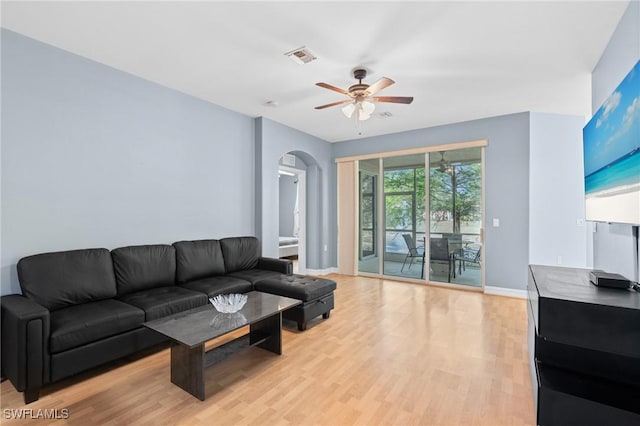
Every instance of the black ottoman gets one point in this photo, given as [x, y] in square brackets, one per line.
[316, 295]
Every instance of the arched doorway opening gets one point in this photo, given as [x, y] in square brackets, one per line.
[298, 184]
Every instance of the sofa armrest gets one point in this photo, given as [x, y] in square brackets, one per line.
[25, 337]
[278, 265]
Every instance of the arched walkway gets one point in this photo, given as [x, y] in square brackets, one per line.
[310, 223]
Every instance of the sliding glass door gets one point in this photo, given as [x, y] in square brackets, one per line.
[455, 216]
[404, 207]
[368, 257]
[420, 216]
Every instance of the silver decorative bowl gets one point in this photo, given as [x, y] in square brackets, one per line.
[228, 303]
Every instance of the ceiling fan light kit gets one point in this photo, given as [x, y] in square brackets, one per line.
[348, 110]
[362, 101]
[364, 109]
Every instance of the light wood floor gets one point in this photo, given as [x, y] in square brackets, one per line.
[391, 353]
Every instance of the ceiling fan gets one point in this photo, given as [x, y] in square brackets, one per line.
[361, 99]
[444, 167]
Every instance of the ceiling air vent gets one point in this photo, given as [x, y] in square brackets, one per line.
[301, 56]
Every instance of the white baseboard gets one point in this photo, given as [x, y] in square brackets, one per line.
[503, 291]
[325, 271]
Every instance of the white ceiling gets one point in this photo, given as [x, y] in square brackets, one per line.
[460, 61]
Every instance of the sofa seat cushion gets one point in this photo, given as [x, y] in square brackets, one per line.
[213, 286]
[160, 302]
[299, 287]
[81, 324]
[255, 275]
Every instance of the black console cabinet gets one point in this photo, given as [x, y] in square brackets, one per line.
[584, 349]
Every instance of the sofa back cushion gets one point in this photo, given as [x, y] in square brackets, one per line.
[143, 267]
[240, 253]
[198, 259]
[57, 280]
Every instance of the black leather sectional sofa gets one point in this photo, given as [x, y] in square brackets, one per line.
[82, 308]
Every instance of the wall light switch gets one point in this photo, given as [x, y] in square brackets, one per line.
[496, 222]
[325, 247]
[580, 222]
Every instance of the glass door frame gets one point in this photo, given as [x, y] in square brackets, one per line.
[380, 210]
[480, 235]
[410, 168]
[374, 219]
[379, 238]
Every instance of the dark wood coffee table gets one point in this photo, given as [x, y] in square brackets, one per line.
[190, 330]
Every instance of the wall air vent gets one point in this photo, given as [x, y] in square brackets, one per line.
[289, 160]
[301, 56]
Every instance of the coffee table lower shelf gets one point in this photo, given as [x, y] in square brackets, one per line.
[188, 364]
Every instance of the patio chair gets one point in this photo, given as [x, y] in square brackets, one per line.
[467, 255]
[455, 243]
[414, 252]
[440, 253]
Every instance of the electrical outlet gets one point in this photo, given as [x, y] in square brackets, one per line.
[496, 222]
[580, 222]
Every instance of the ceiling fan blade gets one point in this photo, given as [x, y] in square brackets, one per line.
[346, 101]
[394, 99]
[378, 86]
[334, 88]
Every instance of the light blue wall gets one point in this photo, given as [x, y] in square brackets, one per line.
[613, 245]
[94, 157]
[507, 184]
[272, 141]
[556, 191]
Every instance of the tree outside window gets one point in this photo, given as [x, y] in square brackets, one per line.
[455, 197]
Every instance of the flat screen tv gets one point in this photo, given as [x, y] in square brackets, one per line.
[612, 156]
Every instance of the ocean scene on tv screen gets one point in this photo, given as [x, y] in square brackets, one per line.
[612, 155]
